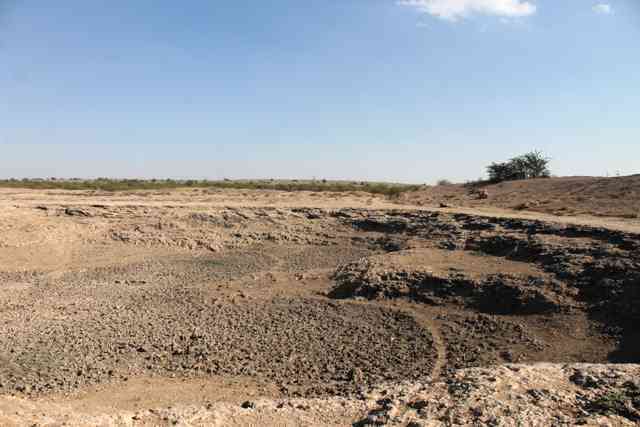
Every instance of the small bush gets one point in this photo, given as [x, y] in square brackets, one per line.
[444, 182]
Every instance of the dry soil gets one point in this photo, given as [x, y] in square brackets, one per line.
[232, 307]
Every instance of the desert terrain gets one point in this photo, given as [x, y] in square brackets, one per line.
[200, 306]
[615, 197]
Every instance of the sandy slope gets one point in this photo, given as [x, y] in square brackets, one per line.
[617, 197]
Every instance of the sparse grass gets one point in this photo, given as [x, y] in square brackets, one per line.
[103, 184]
[624, 403]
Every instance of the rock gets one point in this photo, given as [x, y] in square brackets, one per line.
[76, 212]
[483, 194]
[248, 405]
[385, 403]
[507, 356]
[418, 404]
[584, 380]
[377, 418]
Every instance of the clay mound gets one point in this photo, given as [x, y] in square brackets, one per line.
[488, 285]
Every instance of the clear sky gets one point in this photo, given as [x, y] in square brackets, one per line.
[409, 90]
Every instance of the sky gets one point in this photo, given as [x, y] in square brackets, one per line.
[394, 90]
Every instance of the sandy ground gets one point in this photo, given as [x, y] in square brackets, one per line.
[615, 197]
[428, 200]
[233, 307]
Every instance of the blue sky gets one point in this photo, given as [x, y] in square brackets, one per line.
[410, 90]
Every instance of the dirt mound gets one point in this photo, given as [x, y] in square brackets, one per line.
[382, 278]
[612, 197]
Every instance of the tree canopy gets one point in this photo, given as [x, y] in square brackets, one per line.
[527, 166]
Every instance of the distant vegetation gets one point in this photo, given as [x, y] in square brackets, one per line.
[527, 166]
[105, 184]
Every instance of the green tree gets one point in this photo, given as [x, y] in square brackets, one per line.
[527, 166]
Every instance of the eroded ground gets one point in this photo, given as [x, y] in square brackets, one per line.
[147, 309]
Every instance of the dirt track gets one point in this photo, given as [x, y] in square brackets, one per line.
[299, 295]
